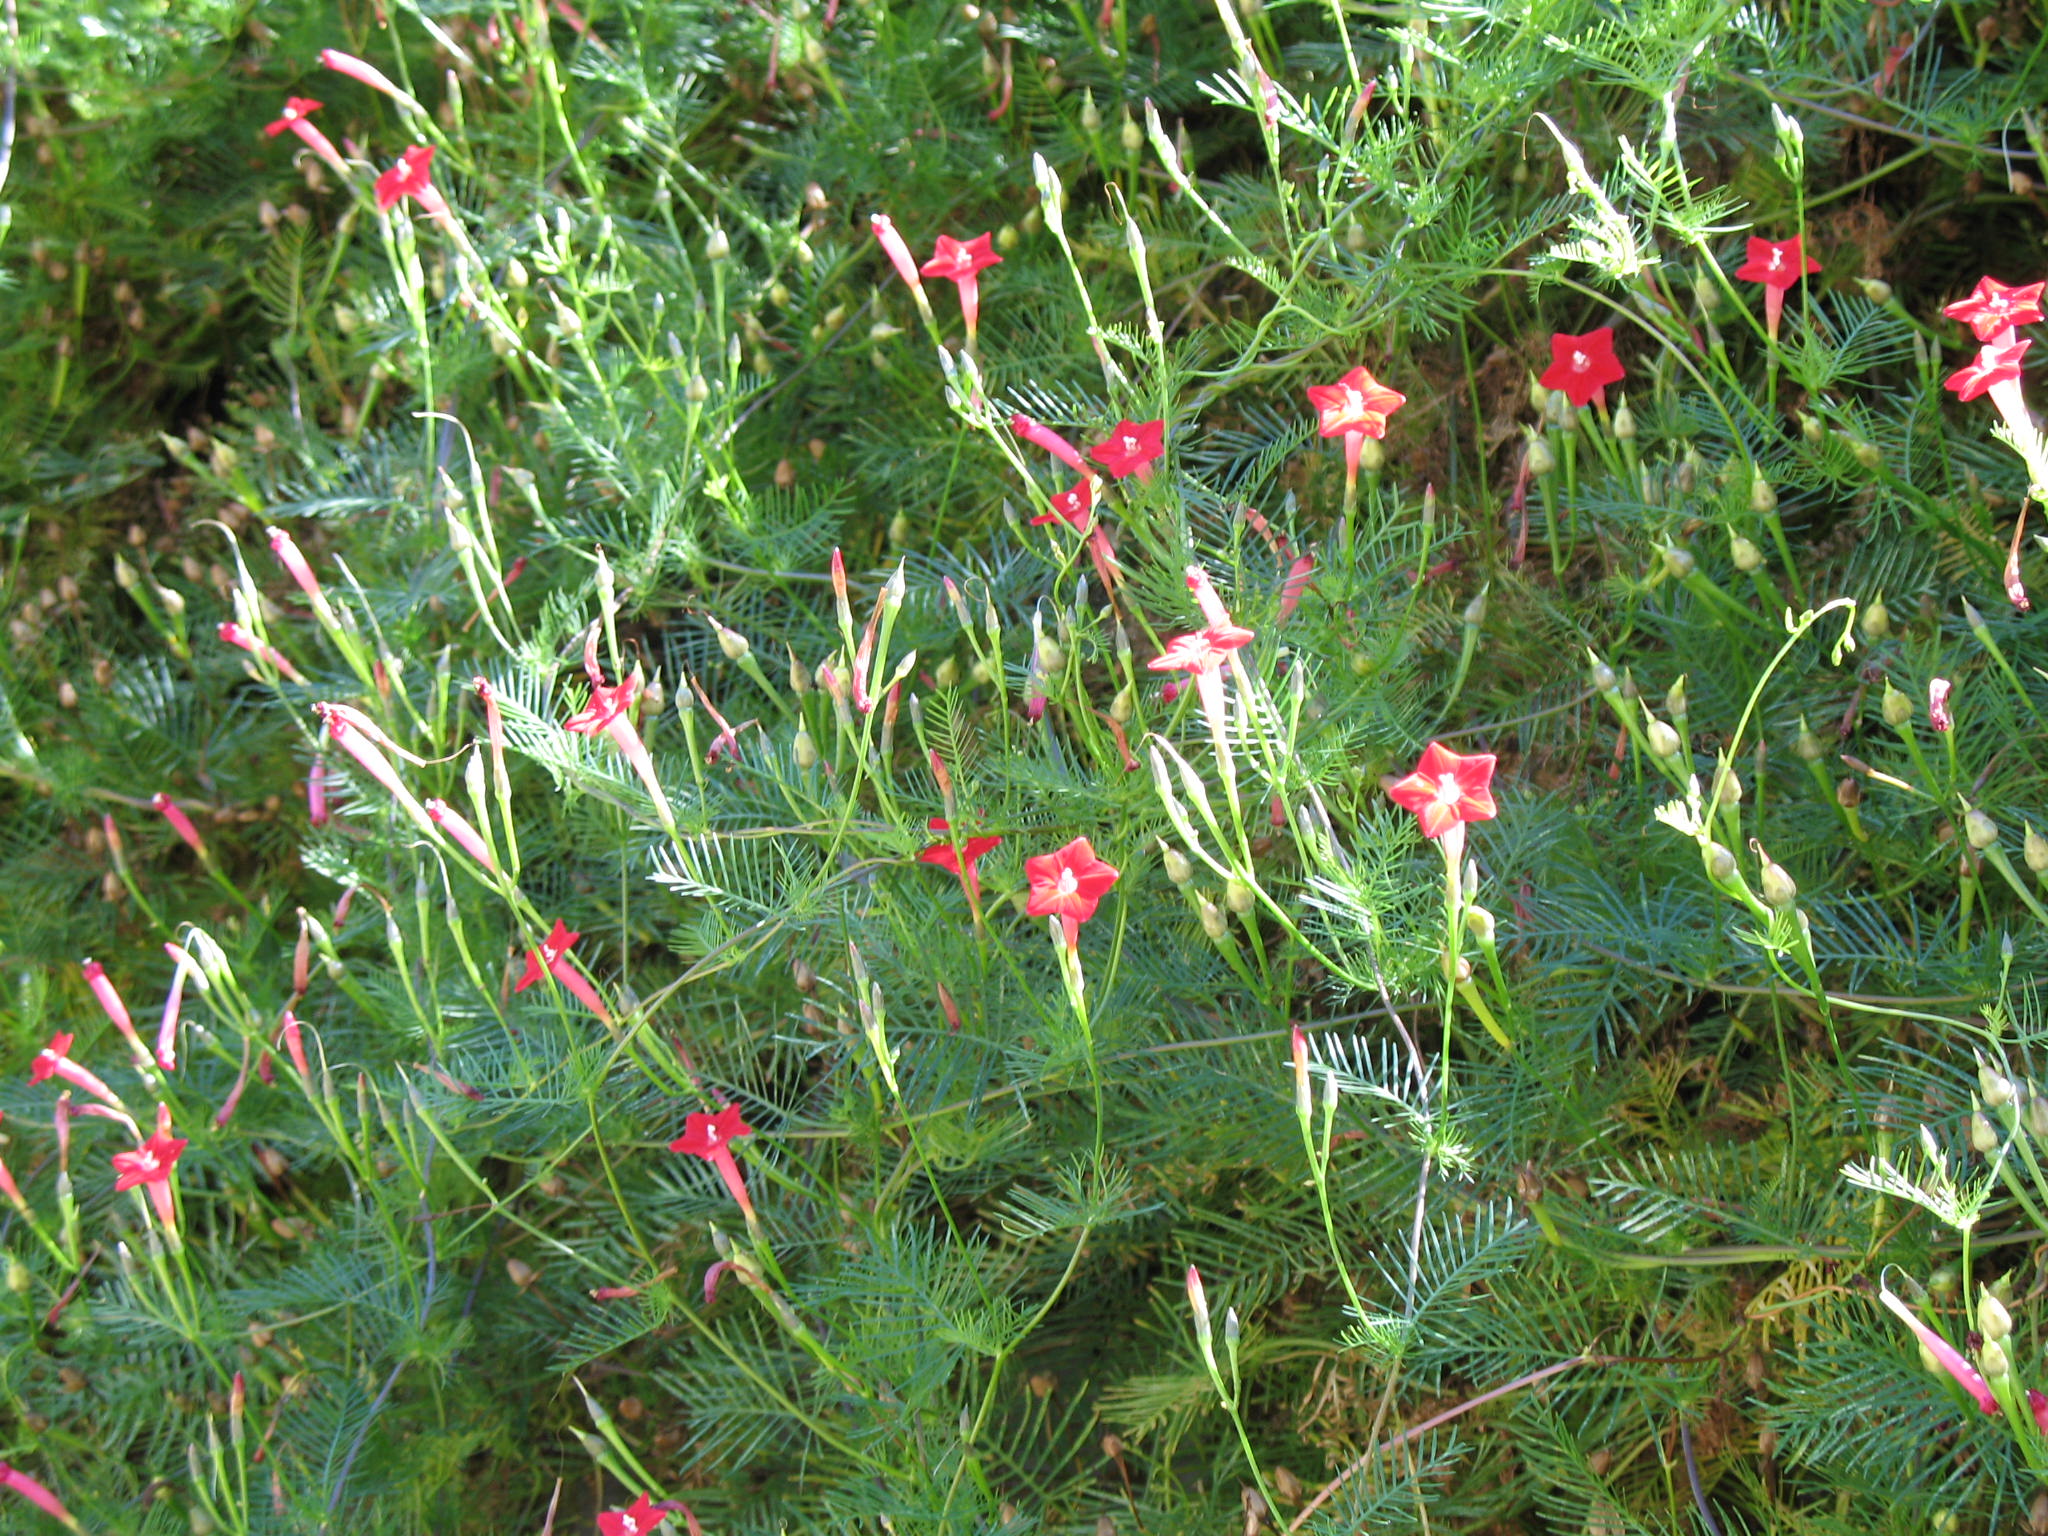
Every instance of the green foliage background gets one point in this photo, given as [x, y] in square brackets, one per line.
[398, 1255]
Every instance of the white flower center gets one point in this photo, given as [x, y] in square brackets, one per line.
[1130, 443]
[1449, 792]
[629, 1525]
[145, 1161]
[1068, 883]
[1581, 362]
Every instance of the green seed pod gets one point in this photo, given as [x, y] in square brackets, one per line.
[1720, 863]
[1664, 742]
[1179, 868]
[1779, 888]
[1239, 897]
[2035, 851]
[1897, 708]
[1980, 829]
[1744, 553]
[1763, 500]
[1542, 462]
[1809, 746]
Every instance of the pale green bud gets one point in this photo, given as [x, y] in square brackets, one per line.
[1480, 924]
[1603, 678]
[697, 391]
[1877, 619]
[1238, 897]
[1897, 708]
[1214, 924]
[1091, 115]
[1720, 863]
[1624, 424]
[805, 749]
[716, 246]
[1983, 1134]
[1980, 829]
[1678, 562]
[1744, 553]
[1542, 462]
[2035, 851]
[1779, 888]
[1763, 500]
[947, 673]
[1662, 738]
[1809, 747]
[1995, 1087]
[1875, 289]
[1124, 705]
[1179, 868]
[1372, 457]
[1130, 135]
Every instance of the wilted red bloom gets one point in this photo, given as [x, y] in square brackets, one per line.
[295, 110]
[1131, 448]
[1073, 505]
[1777, 264]
[1446, 789]
[54, 1060]
[408, 178]
[45, 1064]
[635, 1521]
[960, 860]
[1583, 366]
[710, 1137]
[1937, 704]
[1996, 362]
[542, 960]
[2037, 1404]
[607, 703]
[1069, 885]
[1358, 402]
[1992, 307]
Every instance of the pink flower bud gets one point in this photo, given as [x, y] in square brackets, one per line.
[452, 821]
[116, 1010]
[1937, 704]
[295, 1046]
[238, 636]
[316, 793]
[898, 252]
[1042, 436]
[1965, 1374]
[28, 1488]
[356, 69]
[180, 822]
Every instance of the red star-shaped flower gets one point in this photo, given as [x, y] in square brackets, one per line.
[957, 259]
[1202, 651]
[296, 108]
[960, 860]
[408, 178]
[1583, 366]
[1446, 789]
[1131, 448]
[1995, 363]
[540, 961]
[1992, 307]
[1358, 402]
[1073, 505]
[637, 1520]
[711, 1137]
[150, 1163]
[1776, 263]
[1069, 885]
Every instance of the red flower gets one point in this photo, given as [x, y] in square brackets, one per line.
[150, 1163]
[1446, 790]
[607, 703]
[1358, 403]
[1776, 263]
[960, 860]
[1992, 307]
[543, 959]
[640, 1518]
[1583, 366]
[295, 110]
[710, 1137]
[1068, 885]
[45, 1064]
[1202, 651]
[1996, 362]
[1132, 447]
[408, 178]
[1073, 505]
[960, 260]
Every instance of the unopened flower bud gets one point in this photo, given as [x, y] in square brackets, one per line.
[805, 749]
[2035, 851]
[1179, 868]
[697, 391]
[1091, 115]
[1603, 678]
[1624, 424]
[1372, 457]
[1050, 657]
[2036, 1115]
[1214, 924]
[1541, 460]
[1996, 1088]
[1239, 897]
[1875, 289]
[1809, 747]
[947, 673]
[1779, 888]
[1897, 708]
[1744, 553]
[1763, 500]
[1811, 428]
[1983, 1134]
[1662, 738]
[1130, 135]
[1980, 829]
[1480, 924]
[716, 246]
[1877, 619]
[1727, 786]
[732, 642]
[1124, 705]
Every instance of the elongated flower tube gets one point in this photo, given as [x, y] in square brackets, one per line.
[294, 562]
[19, 1482]
[711, 1137]
[295, 1045]
[181, 824]
[1041, 436]
[898, 251]
[316, 793]
[356, 734]
[1965, 1374]
[359, 69]
[553, 957]
[9, 1188]
[182, 964]
[116, 1010]
[466, 837]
